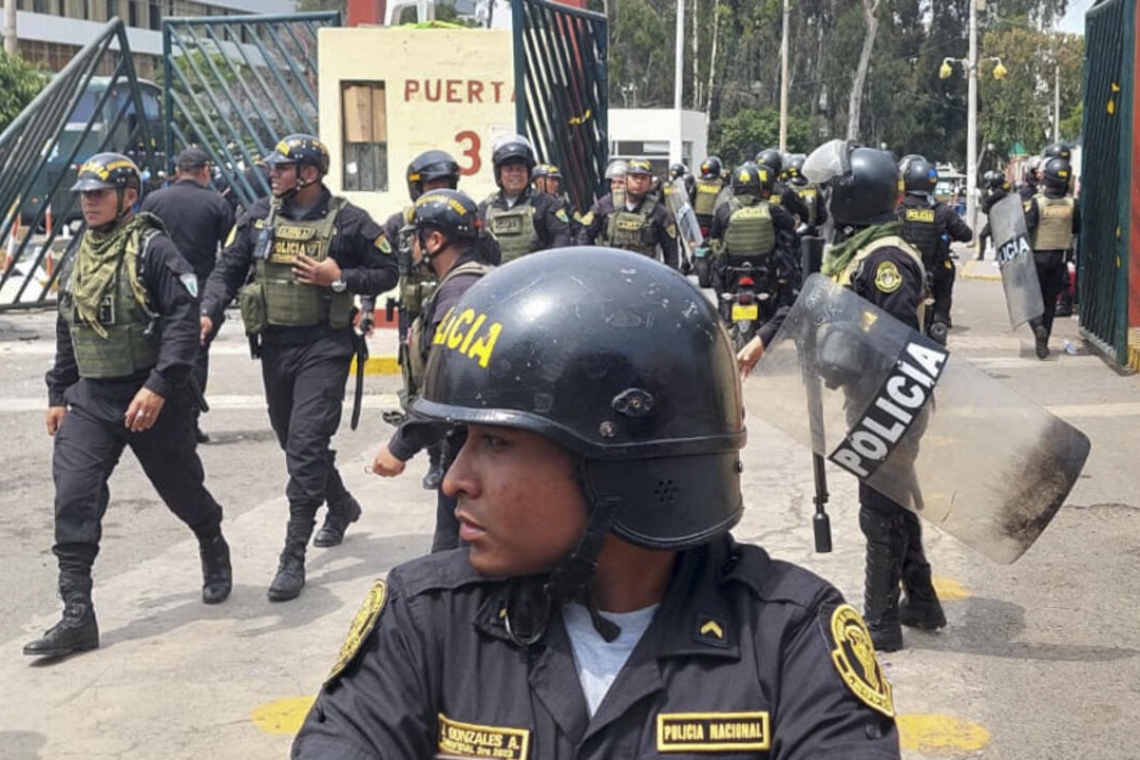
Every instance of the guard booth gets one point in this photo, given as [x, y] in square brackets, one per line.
[1109, 249]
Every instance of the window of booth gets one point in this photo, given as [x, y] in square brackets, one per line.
[364, 115]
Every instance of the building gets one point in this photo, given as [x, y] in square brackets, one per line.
[51, 32]
[648, 132]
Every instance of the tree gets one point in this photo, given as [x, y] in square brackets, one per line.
[741, 136]
[870, 8]
[20, 82]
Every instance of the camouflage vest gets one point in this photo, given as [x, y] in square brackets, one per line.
[289, 303]
[513, 228]
[890, 241]
[707, 191]
[750, 231]
[416, 283]
[1054, 230]
[419, 342]
[631, 230]
[131, 345]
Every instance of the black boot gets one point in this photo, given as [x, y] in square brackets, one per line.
[434, 476]
[1041, 336]
[290, 578]
[343, 510]
[881, 586]
[920, 608]
[217, 573]
[77, 630]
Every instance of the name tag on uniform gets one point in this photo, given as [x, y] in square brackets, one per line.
[627, 224]
[506, 225]
[1055, 211]
[920, 215]
[458, 739]
[713, 731]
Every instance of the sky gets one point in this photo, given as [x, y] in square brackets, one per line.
[1074, 19]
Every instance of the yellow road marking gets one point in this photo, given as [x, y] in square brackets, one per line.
[284, 716]
[941, 734]
[950, 590]
[377, 365]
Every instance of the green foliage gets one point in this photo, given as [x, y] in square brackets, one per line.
[20, 82]
[741, 136]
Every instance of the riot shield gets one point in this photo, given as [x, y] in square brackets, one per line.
[1015, 258]
[689, 230]
[930, 431]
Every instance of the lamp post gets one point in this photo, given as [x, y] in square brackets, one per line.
[676, 146]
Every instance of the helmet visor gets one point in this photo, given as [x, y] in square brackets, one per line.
[827, 162]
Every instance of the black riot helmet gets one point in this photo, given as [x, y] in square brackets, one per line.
[513, 148]
[750, 179]
[302, 150]
[711, 168]
[920, 177]
[596, 349]
[771, 158]
[794, 171]
[546, 171]
[109, 170]
[677, 171]
[1057, 173]
[431, 165]
[994, 180]
[1057, 150]
[864, 182]
[451, 212]
[907, 160]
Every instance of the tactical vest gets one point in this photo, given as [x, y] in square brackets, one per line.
[128, 349]
[289, 303]
[704, 204]
[419, 342]
[810, 196]
[513, 228]
[631, 230]
[890, 241]
[920, 229]
[416, 283]
[1054, 231]
[750, 231]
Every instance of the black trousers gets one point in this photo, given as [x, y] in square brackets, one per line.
[87, 448]
[1051, 274]
[304, 376]
[942, 289]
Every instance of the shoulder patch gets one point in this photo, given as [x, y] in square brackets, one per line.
[190, 282]
[588, 219]
[671, 230]
[562, 217]
[887, 277]
[230, 237]
[853, 655]
[361, 626]
[382, 244]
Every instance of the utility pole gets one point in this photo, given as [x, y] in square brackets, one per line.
[676, 147]
[11, 41]
[1056, 101]
[972, 121]
[784, 83]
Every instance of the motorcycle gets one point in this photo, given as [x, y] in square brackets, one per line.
[744, 297]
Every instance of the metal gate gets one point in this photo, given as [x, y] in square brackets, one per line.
[1107, 157]
[78, 114]
[561, 95]
[235, 85]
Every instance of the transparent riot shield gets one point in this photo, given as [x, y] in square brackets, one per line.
[1015, 258]
[689, 230]
[930, 431]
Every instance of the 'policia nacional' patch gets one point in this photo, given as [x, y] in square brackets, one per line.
[887, 277]
[470, 740]
[361, 626]
[713, 732]
[854, 658]
[907, 389]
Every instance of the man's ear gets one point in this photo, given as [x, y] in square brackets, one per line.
[130, 197]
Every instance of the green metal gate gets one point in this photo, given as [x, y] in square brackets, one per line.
[1106, 160]
[235, 85]
[561, 95]
[78, 114]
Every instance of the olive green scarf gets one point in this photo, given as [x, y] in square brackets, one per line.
[835, 261]
[97, 264]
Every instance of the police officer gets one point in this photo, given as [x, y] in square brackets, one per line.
[782, 194]
[929, 226]
[305, 254]
[750, 231]
[430, 170]
[641, 224]
[547, 178]
[1028, 187]
[615, 175]
[445, 232]
[126, 339]
[198, 220]
[995, 188]
[1053, 218]
[705, 192]
[602, 609]
[816, 205]
[522, 221]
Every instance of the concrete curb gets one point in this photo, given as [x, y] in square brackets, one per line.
[980, 270]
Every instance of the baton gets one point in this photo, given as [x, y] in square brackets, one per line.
[811, 249]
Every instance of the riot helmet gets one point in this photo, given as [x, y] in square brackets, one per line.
[863, 181]
[1031, 168]
[639, 166]
[109, 171]
[920, 177]
[546, 178]
[771, 158]
[1057, 173]
[616, 169]
[711, 168]
[450, 212]
[794, 171]
[907, 160]
[677, 171]
[513, 148]
[994, 180]
[432, 165]
[1057, 150]
[660, 469]
[303, 150]
[750, 179]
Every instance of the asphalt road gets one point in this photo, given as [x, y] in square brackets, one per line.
[1039, 659]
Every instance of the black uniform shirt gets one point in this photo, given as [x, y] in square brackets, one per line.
[553, 231]
[792, 201]
[170, 297]
[358, 246]
[197, 218]
[593, 221]
[898, 296]
[746, 653]
[1027, 190]
[659, 219]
